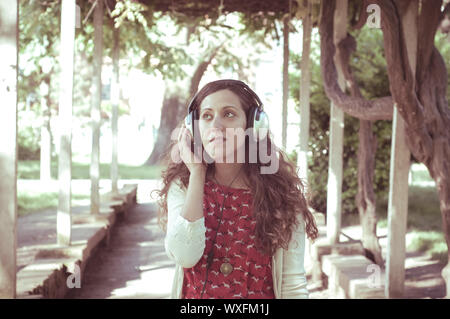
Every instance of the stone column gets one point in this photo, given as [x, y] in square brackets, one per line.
[115, 95]
[334, 188]
[305, 81]
[398, 176]
[95, 108]
[9, 14]
[64, 215]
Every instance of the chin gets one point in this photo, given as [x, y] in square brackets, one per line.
[218, 156]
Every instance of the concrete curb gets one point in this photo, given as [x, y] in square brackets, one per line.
[48, 275]
[343, 267]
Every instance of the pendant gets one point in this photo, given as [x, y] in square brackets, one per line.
[226, 268]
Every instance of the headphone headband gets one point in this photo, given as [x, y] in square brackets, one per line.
[234, 83]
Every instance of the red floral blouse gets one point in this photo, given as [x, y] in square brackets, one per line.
[252, 271]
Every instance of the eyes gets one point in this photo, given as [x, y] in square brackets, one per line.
[207, 116]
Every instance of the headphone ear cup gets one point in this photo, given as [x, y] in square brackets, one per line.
[188, 121]
[251, 122]
[196, 144]
[260, 124]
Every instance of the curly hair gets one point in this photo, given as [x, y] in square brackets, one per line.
[277, 198]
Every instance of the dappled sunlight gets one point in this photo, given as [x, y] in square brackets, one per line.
[153, 283]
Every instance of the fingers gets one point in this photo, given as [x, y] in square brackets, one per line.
[184, 135]
[180, 132]
[184, 141]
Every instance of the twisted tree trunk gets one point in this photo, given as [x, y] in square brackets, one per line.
[424, 107]
[366, 111]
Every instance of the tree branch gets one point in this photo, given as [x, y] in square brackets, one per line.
[201, 68]
[357, 106]
[362, 17]
[428, 23]
[400, 76]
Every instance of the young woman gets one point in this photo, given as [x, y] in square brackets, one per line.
[233, 231]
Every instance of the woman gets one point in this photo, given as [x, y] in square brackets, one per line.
[233, 231]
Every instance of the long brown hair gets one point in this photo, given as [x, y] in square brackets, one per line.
[277, 198]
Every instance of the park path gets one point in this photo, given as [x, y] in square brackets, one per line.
[134, 265]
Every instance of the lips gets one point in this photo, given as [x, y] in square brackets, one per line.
[217, 139]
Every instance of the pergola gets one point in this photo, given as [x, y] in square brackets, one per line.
[201, 8]
[8, 127]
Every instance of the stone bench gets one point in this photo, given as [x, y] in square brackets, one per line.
[47, 276]
[353, 277]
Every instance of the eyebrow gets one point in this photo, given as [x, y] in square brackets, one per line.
[226, 106]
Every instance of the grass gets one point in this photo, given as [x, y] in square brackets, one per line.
[423, 210]
[424, 221]
[29, 202]
[432, 242]
[31, 170]
[36, 200]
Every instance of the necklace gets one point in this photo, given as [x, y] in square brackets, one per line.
[226, 267]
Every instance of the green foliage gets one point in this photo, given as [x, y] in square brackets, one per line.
[29, 202]
[430, 242]
[29, 135]
[29, 169]
[28, 143]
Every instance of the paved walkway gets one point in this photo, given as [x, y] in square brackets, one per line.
[134, 266]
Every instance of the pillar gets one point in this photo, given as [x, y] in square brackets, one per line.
[334, 186]
[8, 147]
[398, 175]
[64, 215]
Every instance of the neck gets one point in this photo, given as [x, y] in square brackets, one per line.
[224, 173]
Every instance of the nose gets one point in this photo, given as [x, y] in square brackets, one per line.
[217, 123]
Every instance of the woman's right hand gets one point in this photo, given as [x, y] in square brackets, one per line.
[191, 160]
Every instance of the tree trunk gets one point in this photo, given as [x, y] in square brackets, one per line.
[365, 198]
[170, 116]
[424, 107]
[377, 109]
[366, 111]
[173, 109]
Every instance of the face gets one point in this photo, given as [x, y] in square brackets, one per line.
[222, 120]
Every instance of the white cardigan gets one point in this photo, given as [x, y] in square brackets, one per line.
[185, 245]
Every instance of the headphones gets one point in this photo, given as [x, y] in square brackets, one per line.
[257, 119]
